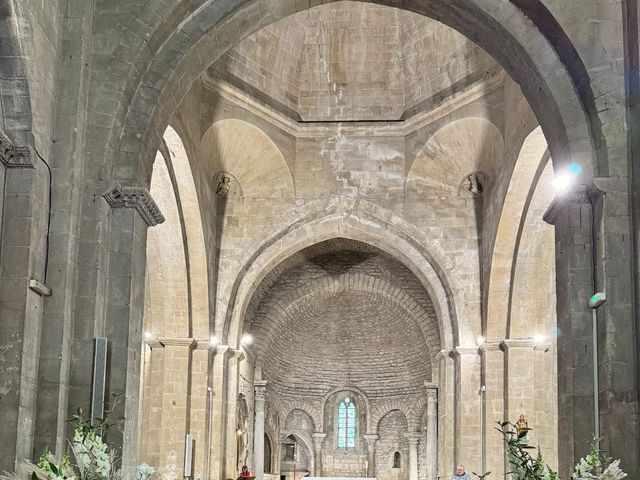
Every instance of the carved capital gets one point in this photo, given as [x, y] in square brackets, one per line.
[413, 438]
[318, 438]
[432, 395]
[574, 198]
[15, 156]
[371, 438]
[260, 389]
[138, 198]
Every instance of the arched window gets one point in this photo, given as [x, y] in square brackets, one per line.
[396, 460]
[347, 424]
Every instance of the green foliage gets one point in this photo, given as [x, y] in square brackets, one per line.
[92, 457]
[524, 466]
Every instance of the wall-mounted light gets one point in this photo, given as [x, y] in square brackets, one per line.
[148, 335]
[213, 341]
[479, 340]
[247, 339]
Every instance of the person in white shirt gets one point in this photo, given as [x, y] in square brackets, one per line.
[461, 474]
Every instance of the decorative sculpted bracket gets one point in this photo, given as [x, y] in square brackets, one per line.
[577, 197]
[13, 156]
[138, 198]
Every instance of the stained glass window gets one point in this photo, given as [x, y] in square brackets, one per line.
[346, 424]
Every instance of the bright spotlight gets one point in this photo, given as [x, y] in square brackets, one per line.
[214, 340]
[561, 183]
[574, 169]
[539, 339]
[247, 339]
[479, 340]
[147, 335]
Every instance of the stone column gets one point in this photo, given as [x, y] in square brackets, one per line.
[318, 438]
[174, 404]
[468, 424]
[413, 438]
[260, 390]
[618, 339]
[493, 407]
[231, 409]
[446, 412]
[371, 454]
[217, 412]
[432, 433]
[21, 291]
[200, 361]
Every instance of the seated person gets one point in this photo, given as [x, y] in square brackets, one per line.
[245, 473]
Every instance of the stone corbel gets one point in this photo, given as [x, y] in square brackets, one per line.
[177, 342]
[576, 197]
[138, 198]
[15, 156]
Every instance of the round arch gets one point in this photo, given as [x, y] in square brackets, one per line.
[520, 37]
[356, 390]
[383, 409]
[353, 226]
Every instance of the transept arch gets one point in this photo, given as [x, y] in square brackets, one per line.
[352, 226]
[559, 105]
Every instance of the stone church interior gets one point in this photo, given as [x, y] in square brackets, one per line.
[324, 239]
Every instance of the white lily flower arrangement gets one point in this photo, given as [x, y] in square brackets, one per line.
[90, 457]
[525, 466]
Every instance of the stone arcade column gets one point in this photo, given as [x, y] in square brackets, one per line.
[371, 453]
[432, 433]
[231, 399]
[133, 211]
[174, 391]
[530, 390]
[318, 439]
[21, 291]
[493, 407]
[260, 390]
[468, 424]
[413, 438]
[618, 362]
[446, 412]
[217, 412]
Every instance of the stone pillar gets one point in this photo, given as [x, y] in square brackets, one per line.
[493, 407]
[432, 433]
[200, 358]
[174, 404]
[318, 438]
[446, 412]
[468, 424]
[371, 454]
[260, 390]
[217, 412]
[22, 262]
[231, 409]
[571, 214]
[413, 438]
